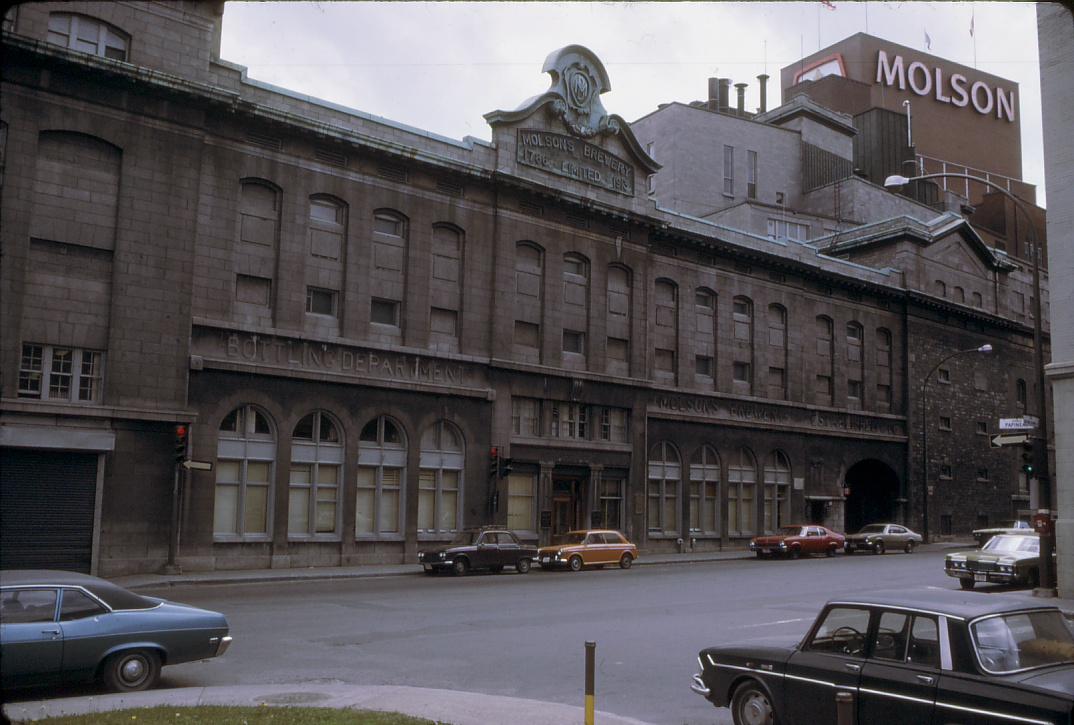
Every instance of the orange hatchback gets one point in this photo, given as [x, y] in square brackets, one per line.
[595, 547]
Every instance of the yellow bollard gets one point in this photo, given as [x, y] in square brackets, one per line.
[590, 652]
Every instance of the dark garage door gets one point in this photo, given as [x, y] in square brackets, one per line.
[46, 509]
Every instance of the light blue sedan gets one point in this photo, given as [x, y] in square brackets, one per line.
[62, 627]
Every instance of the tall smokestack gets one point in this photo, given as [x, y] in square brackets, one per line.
[763, 79]
[725, 93]
[741, 88]
[714, 94]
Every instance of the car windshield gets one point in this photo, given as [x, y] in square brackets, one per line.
[1013, 545]
[1022, 640]
[872, 529]
[790, 530]
[465, 537]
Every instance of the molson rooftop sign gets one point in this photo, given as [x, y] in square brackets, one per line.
[955, 89]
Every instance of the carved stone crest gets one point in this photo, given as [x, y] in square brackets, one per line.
[578, 79]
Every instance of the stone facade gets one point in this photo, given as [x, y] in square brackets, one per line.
[350, 315]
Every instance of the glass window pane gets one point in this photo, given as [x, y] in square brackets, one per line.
[304, 429]
[448, 505]
[389, 511]
[255, 511]
[228, 471]
[449, 480]
[426, 479]
[326, 517]
[366, 477]
[257, 472]
[369, 432]
[301, 473]
[364, 511]
[226, 510]
[261, 424]
[390, 477]
[327, 475]
[298, 512]
[391, 434]
[329, 432]
[426, 509]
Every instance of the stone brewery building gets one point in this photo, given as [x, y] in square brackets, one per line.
[694, 327]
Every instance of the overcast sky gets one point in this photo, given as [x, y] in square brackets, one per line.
[441, 66]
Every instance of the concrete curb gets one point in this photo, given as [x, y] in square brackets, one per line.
[442, 706]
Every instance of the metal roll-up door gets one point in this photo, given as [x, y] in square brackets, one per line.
[46, 509]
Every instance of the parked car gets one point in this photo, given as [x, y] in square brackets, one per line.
[943, 656]
[981, 536]
[595, 547]
[1005, 559]
[795, 540]
[58, 627]
[878, 538]
[488, 547]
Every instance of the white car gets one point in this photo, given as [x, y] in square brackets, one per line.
[981, 536]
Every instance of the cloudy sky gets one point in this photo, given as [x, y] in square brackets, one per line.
[441, 66]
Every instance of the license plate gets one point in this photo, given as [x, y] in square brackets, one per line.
[980, 577]
[545, 559]
[766, 551]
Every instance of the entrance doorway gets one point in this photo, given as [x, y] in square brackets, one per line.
[568, 505]
[873, 490]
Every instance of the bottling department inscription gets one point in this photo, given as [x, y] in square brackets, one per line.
[575, 159]
[328, 358]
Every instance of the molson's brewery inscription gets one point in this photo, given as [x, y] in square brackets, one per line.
[766, 415]
[320, 357]
[575, 159]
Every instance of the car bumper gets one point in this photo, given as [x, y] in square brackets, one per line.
[984, 577]
[221, 643]
[549, 562]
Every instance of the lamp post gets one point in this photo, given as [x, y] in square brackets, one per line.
[1047, 581]
[925, 437]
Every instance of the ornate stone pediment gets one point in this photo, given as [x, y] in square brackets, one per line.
[579, 79]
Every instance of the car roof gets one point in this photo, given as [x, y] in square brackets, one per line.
[956, 603]
[111, 594]
[595, 531]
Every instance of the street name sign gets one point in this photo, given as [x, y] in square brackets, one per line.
[1026, 422]
[1009, 440]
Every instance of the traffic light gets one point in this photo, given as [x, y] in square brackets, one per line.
[1027, 458]
[181, 433]
[494, 462]
[505, 467]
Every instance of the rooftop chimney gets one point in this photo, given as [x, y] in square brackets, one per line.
[725, 92]
[763, 78]
[741, 88]
[714, 94]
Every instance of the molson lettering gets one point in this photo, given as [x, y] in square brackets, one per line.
[958, 92]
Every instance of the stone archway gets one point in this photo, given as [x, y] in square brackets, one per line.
[873, 490]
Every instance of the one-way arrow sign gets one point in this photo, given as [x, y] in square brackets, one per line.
[1009, 440]
[208, 466]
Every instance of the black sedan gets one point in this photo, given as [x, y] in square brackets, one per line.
[60, 627]
[488, 547]
[948, 657]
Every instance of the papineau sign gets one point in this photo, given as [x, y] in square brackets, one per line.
[956, 90]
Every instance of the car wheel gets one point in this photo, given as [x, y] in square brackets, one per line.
[795, 552]
[831, 550]
[522, 566]
[575, 563]
[461, 566]
[849, 549]
[131, 671]
[750, 705]
[966, 583]
[626, 561]
[910, 547]
[879, 548]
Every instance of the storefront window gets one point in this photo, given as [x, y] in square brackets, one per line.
[438, 479]
[665, 475]
[381, 461]
[246, 455]
[521, 501]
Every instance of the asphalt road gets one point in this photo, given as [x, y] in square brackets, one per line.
[524, 635]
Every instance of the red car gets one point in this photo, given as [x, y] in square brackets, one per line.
[797, 539]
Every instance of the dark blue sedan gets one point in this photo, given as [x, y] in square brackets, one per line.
[62, 627]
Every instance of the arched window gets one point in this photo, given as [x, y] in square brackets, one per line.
[575, 279]
[665, 474]
[705, 491]
[959, 294]
[445, 289]
[439, 477]
[529, 296]
[327, 226]
[617, 352]
[777, 352]
[1020, 392]
[940, 287]
[883, 369]
[316, 471]
[665, 337]
[777, 486]
[742, 494]
[379, 505]
[87, 35]
[75, 194]
[978, 300]
[826, 360]
[245, 459]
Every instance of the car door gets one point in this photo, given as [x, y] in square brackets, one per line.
[87, 633]
[31, 642]
[899, 679]
[487, 552]
[829, 662]
[898, 536]
[814, 542]
[509, 548]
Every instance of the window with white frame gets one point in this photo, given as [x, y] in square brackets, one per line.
[379, 505]
[245, 463]
[611, 502]
[777, 485]
[665, 474]
[522, 501]
[570, 420]
[60, 374]
[525, 416]
[705, 491]
[316, 472]
[741, 493]
[439, 478]
[87, 35]
[783, 229]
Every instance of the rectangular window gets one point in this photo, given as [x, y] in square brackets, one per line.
[444, 322]
[527, 334]
[777, 383]
[320, 301]
[665, 360]
[574, 342]
[945, 471]
[613, 425]
[521, 504]
[854, 389]
[704, 366]
[945, 422]
[823, 389]
[384, 312]
[60, 374]
[741, 372]
[982, 428]
[526, 416]
[729, 170]
[611, 503]
[618, 349]
[982, 474]
[943, 375]
[570, 420]
[782, 229]
[883, 395]
[751, 174]
[253, 290]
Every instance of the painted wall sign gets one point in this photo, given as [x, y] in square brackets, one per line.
[575, 159]
[956, 90]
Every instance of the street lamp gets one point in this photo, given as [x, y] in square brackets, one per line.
[1047, 540]
[925, 437]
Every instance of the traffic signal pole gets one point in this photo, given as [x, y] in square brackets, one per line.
[182, 432]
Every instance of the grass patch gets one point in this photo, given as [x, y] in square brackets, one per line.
[263, 715]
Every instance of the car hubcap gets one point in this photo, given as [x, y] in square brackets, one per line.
[133, 670]
[756, 710]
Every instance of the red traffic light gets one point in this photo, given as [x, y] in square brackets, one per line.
[180, 431]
